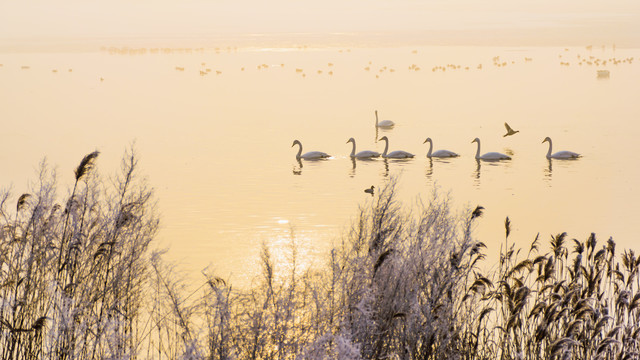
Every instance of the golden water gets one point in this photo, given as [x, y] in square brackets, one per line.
[214, 127]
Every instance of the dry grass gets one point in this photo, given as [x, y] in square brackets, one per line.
[79, 282]
[71, 281]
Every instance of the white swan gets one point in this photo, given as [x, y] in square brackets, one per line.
[560, 154]
[384, 123]
[398, 154]
[362, 154]
[490, 156]
[438, 153]
[311, 155]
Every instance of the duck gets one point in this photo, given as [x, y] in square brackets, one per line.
[490, 156]
[438, 153]
[365, 154]
[510, 131]
[560, 154]
[311, 155]
[398, 154]
[369, 190]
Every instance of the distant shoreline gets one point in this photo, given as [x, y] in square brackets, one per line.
[544, 37]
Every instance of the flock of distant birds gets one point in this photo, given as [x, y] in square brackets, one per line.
[400, 154]
[497, 62]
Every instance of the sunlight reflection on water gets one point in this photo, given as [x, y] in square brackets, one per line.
[217, 147]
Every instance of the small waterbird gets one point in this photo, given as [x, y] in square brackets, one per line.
[510, 131]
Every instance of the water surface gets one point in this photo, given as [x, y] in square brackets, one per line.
[214, 127]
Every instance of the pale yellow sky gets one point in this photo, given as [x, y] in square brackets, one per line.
[611, 20]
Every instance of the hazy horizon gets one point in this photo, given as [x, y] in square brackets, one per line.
[457, 22]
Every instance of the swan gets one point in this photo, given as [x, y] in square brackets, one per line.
[510, 131]
[490, 155]
[362, 154]
[560, 154]
[311, 155]
[438, 153]
[383, 123]
[398, 154]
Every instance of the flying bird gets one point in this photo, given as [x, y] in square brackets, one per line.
[510, 131]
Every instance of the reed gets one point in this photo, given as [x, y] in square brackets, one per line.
[71, 285]
[404, 282]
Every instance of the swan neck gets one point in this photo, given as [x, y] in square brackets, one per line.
[299, 151]
[478, 150]
[376, 118]
[386, 147]
[353, 148]
[549, 151]
[430, 148]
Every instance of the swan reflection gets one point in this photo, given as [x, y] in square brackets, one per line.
[548, 172]
[562, 165]
[354, 160]
[352, 172]
[476, 173]
[386, 167]
[504, 165]
[508, 151]
[297, 170]
[429, 172]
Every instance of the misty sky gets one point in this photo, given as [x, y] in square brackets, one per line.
[88, 18]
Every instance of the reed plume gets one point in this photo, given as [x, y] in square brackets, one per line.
[86, 164]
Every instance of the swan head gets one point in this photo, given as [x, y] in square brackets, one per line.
[383, 138]
[546, 139]
[428, 140]
[296, 142]
[351, 140]
[476, 140]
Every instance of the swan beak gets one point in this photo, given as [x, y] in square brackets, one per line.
[425, 142]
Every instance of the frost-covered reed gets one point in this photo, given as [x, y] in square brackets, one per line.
[576, 300]
[79, 280]
[73, 269]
